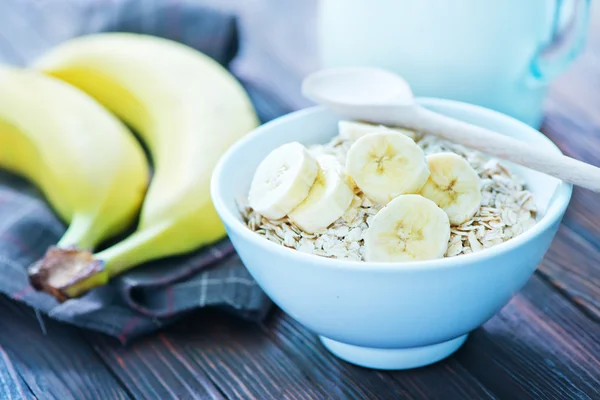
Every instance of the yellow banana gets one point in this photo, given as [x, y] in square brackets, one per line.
[83, 159]
[186, 108]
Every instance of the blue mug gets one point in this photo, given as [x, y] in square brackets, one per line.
[499, 54]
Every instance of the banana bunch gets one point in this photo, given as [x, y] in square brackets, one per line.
[85, 161]
[61, 120]
[422, 196]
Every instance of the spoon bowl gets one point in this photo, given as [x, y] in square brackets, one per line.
[357, 86]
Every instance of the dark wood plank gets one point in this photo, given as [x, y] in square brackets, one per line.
[152, 368]
[341, 379]
[445, 380]
[208, 356]
[242, 361]
[572, 265]
[12, 385]
[582, 215]
[56, 365]
[539, 346]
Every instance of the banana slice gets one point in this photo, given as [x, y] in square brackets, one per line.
[352, 130]
[409, 228]
[282, 180]
[453, 185]
[327, 200]
[386, 164]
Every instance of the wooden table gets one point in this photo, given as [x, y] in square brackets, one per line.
[544, 344]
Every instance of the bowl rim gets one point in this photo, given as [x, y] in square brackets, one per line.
[557, 204]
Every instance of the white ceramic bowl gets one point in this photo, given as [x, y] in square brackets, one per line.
[387, 315]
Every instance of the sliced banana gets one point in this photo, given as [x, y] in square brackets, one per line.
[409, 228]
[353, 130]
[453, 185]
[327, 200]
[282, 180]
[386, 164]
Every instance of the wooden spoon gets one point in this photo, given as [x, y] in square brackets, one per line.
[382, 97]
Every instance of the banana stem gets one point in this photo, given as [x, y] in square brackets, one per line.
[66, 273]
[69, 268]
[69, 272]
[141, 246]
[80, 233]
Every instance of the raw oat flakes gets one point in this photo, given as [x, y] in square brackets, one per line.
[507, 210]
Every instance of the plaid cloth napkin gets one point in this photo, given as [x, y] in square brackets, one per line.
[157, 293]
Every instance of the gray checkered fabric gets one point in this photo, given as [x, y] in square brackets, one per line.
[158, 293]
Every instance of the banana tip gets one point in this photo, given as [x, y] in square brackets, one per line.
[66, 272]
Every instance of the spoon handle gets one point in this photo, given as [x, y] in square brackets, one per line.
[504, 147]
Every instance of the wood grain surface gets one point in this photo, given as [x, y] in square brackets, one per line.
[52, 360]
[545, 344]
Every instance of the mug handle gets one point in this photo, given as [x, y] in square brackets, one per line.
[567, 42]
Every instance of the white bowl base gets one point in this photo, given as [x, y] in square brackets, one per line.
[393, 359]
